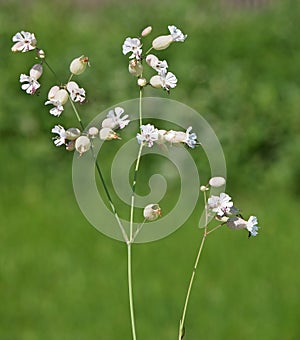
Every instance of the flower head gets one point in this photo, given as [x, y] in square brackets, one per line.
[165, 80]
[77, 94]
[57, 97]
[24, 41]
[61, 138]
[176, 33]
[132, 45]
[190, 138]
[220, 204]
[30, 84]
[251, 226]
[148, 135]
[156, 64]
[114, 119]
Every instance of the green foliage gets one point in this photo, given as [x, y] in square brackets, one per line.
[60, 278]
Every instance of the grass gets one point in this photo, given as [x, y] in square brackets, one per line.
[62, 279]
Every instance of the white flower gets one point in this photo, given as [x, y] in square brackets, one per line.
[176, 33]
[148, 135]
[156, 64]
[114, 119]
[151, 212]
[61, 138]
[24, 41]
[57, 97]
[78, 65]
[252, 226]
[30, 84]
[169, 81]
[77, 94]
[220, 204]
[132, 45]
[165, 80]
[190, 138]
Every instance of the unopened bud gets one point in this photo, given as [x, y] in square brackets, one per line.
[217, 181]
[82, 144]
[146, 31]
[203, 188]
[78, 65]
[142, 82]
[162, 42]
[36, 71]
[41, 54]
[151, 212]
[72, 133]
[93, 132]
[135, 68]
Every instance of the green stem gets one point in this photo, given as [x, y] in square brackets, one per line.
[140, 106]
[130, 291]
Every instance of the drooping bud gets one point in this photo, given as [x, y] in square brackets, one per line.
[78, 65]
[135, 68]
[82, 144]
[162, 42]
[36, 71]
[217, 181]
[151, 212]
[72, 133]
[40, 54]
[146, 31]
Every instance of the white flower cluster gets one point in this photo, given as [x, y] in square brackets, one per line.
[223, 209]
[163, 79]
[150, 134]
[72, 138]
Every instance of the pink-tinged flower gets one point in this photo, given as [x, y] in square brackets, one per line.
[24, 41]
[220, 204]
[160, 66]
[148, 135]
[132, 45]
[62, 135]
[115, 120]
[176, 33]
[30, 84]
[77, 94]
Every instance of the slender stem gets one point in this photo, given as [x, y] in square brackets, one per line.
[181, 325]
[76, 112]
[52, 71]
[138, 230]
[205, 233]
[140, 106]
[130, 291]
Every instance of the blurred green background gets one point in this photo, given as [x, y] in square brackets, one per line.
[62, 279]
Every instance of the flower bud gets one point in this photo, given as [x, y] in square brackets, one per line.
[82, 144]
[155, 81]
[162, 42]
[36, 71]
[108, 134]
[146, 31]
[204, 188]
[72, 133]
[142, 82]
[217, 181]
[41, 54]
[78, 65]
[151, 212]
[135, 68]
[93, 132]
